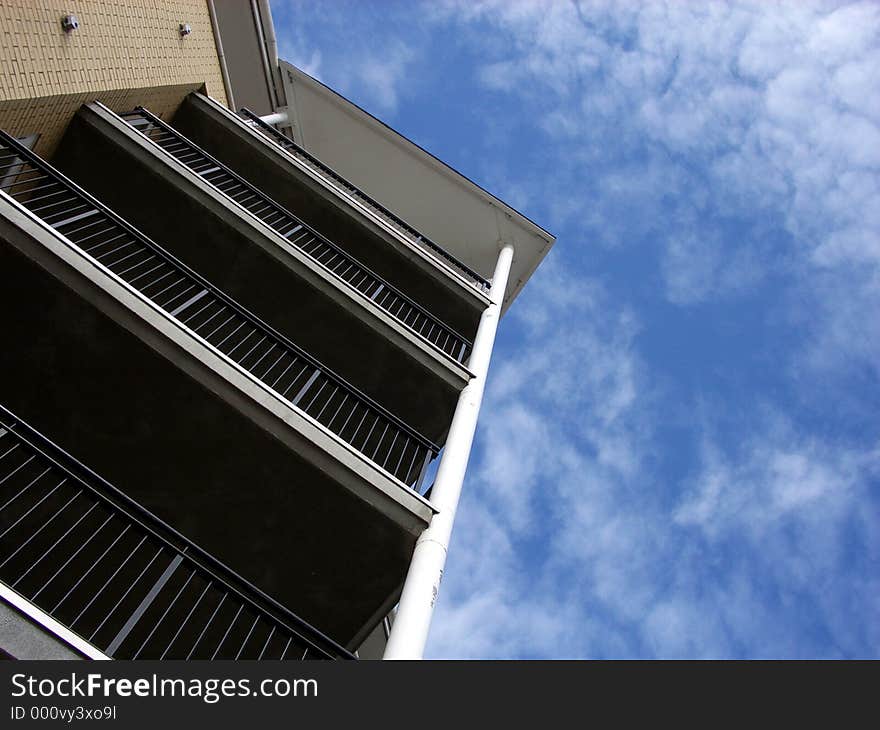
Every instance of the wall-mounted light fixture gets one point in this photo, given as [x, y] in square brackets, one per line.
[69, 23]
[185, 30]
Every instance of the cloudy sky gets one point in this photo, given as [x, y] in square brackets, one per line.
[678, 454]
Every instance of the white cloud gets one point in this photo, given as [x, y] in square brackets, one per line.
[376, 75]
[739, 145]
[778, 99]
[754, 558]
[701, 263]
[800, 509]
[382, 76]
[779, 479]
[671, 117]
[661, 117]
[558, 437]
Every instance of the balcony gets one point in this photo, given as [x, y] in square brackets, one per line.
[338, 208]
[293, 278]
[125, 584]
[207, 416]
[220, 322]
[292, 228]
[311, 162]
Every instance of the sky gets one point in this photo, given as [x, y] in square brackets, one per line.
[678, 451]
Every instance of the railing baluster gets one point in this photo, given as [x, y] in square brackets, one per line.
[272, 366]
[390, 449]
[286, 647]
[400, 458]
[412, 463]
[228, 629]
[142, 607]
[108, 581]
[125, 595]
[55, 544]
[165, 612]
[379, 442]
[293, 381]
[42, 527]
[315, 397]
[24, 489]
[302, 391]
[72, 557]
[13, 473]
[186, 620]
[247, 638]
[418, 485]
[207, 626]
[268, 639]
[94, 565]
[283, 373]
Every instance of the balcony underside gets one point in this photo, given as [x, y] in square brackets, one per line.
[198, 450]
[258, 268]
[421, 276]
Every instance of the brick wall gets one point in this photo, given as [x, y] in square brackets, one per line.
[125, 52]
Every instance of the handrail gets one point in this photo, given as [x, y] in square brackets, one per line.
[285, 142]
[23, 448]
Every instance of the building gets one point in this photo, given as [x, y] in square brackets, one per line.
[239, 315]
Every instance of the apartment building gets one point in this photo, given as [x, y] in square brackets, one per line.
[245, 323]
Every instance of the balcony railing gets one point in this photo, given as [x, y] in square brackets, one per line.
[212, 317]
[114, 574]
[395, 221]
[287, 225]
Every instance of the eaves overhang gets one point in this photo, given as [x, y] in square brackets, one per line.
[466, 219]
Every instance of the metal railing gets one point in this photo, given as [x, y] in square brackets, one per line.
[214, 318]
[395, 221]
[110, 571]
[292, 228]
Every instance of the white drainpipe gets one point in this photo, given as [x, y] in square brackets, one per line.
[269, 30]
[267, 68]
[221, 57]
[276, 118]
[409, 633]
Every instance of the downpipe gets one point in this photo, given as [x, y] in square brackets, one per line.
[276, 118]
[409, 632]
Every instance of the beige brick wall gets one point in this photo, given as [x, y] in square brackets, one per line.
[125, 52]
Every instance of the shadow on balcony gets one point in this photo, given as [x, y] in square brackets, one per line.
[287, 274]
[277, 482]
[79, 551]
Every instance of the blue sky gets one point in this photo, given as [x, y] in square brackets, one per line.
[678, 454]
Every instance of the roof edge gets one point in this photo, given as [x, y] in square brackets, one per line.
[448, 169]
